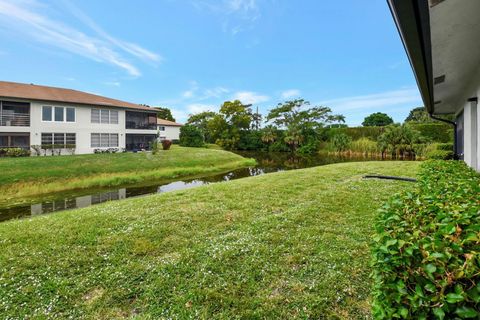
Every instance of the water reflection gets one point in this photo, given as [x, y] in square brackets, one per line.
[266, 163]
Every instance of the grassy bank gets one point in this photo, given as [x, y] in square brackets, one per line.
[292, 244]
[22, 177]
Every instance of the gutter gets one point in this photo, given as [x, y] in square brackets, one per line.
[454, 124]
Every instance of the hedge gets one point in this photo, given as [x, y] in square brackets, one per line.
[426, 255]
[434, 131]
[355, 132]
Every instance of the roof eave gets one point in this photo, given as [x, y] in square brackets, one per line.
[412, 18]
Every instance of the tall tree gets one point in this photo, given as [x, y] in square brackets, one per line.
[378, 119]
[165, 113]
[300, 121]
[233, 118]
[421, 115]
[201, 120]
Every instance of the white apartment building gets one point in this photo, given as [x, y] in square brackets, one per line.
[441, 40]
[34, 115]
[168, 130]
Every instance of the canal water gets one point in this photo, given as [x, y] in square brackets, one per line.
[266, 163]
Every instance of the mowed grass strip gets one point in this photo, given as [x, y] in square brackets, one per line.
[23, 177]
[287, 245]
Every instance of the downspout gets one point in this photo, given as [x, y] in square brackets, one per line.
[454, 124]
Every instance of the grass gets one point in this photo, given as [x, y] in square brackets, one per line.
[33, 176]
[287, 245]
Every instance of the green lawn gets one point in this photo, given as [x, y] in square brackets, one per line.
[286, 245]
[23, 177]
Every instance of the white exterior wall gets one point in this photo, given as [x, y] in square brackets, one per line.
[82, 127]
[471, 120]
[170, 133]
[470, 134]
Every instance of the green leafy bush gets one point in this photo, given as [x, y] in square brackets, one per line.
[191, 136]
[14, 152]
[439, 155]
[250, 140]
[341, 142]
[365, 146]
[434, 131]
[427, 247]
[355, 132]
[444, 146]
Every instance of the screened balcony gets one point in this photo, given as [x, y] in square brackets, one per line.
[141, 120]
[14, 114]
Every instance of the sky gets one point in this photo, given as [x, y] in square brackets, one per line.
[191, 55]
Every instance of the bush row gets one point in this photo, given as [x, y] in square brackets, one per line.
[433, 132]
[426, 254]
[14, 152]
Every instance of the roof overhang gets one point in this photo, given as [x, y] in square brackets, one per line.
[413, 22]
[441, 41]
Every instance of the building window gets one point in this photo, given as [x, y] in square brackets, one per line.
[46, 113]
[104, 140]
[70, 139]
[95, 140]
[58, 114]
[59, 140]
[70, 116]
[95, 116]
[113, 117]
[47, 139]
[104, 116]
[162, 128]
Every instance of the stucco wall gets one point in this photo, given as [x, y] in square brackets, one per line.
[82, 127]
[170, 133]
[471, 119]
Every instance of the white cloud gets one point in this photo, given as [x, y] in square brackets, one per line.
[236, 15]
[198, 107]
[181, 115]
[216, 92]
[250, 97]
[290, 93]
[21, 18]
[112, 83]
[375, 101]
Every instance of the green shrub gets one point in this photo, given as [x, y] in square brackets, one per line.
[154, 146]
[434, 131]
[426, 254]
[250, 140]
[444, 146]
[365, 146]
[355, 133]
[14, 152]
[191, 136]
[341, 142]
[439, 155]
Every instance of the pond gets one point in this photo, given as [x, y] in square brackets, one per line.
[266, 163]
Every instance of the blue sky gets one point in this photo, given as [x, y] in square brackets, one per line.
[191, 55]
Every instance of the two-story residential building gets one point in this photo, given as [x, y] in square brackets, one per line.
[34, 115]
[168, 130]
[441, 40]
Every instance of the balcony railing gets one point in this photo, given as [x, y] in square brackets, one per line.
[15, 119]
[144, 126]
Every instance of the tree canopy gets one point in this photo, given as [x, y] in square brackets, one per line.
[165, 113]
[419, 114]
[301, 122]
[377, 119]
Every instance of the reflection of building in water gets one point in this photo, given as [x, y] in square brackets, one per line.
[78, 202]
